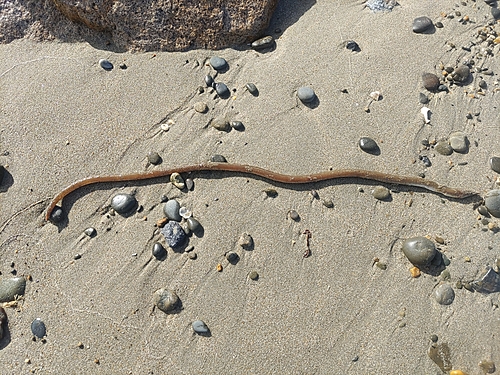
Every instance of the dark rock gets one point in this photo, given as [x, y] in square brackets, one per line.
[159, 251]
[419, 250]
[136, 25]
[57, 215]
[218, 63]
[461, 73]
[3, 321]
[166, 300]
[430, 81]
[174, 234]
[352, 46]
[495, 163]
[123, 204]
[38, 328]
[421, 24]
[368, 145]
[2, 173]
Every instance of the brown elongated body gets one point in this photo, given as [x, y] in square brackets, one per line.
[269, 175]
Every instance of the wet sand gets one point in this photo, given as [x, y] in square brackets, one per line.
[63, 118]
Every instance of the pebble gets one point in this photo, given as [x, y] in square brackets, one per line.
[381, 193]
[461, 73]
[368, 145]
[430, 81]
[262, 43]
[200, 327]
[444, 294]
[177, 180]
[488, 282]
[443, 148]
[442, 88]
[38, 328]
[57, 215]
[459, 142]
[439, 25]
[380, 5]
[294, 215]
[123, 66]
[2, 173]
[3, 321]
[221, 90]
[483, 211]
[220, 124]
[426, 161]
[189, 183]
[495, 164]
[218, 63]
[200, 107]
[10, 288]
[422, 98]
[194, 225]
[482, 83]
[253, 275]
[421, 24]
[159, 251]
[123, 203]
[246, 241]
[105, 64]
[91, 232]
[420, 251]
[306, 94]
[166, 300]
[171, 210]
[174, 234]
[495, 12]
[209, 81]
[352, 46]
[218, 159]
[232, 257]
[252, 89]
[237, 125]
[154, 158]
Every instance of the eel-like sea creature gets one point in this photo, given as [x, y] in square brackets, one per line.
[272, 176]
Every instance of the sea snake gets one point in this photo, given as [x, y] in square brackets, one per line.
[269, 175]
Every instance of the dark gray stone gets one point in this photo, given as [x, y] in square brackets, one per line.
[368, 145]
[105, 64]
[171, 210]
[495, 164]
[57, 215]
[443, 148]
[193, 225]
[124, 204]
[430, 81]
[218, 159]
[209, 81]
[461, 74]
[174, 234]
[159, 251]
[38, 328]
[218, 63]
[221, 90]
[420, 251]
[421, 24]
[252, 89]
[444, 294]
[154, 158]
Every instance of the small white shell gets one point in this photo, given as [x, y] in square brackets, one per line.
[427, 114]
[375, 95]
[177, 180]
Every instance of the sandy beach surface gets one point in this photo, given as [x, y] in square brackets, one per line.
[64, 118]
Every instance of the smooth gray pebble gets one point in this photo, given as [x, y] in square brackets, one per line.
[421, 24]
[495, 164]
[306, 94]
[420, 251]
[105, 64]
[218, 63]
[123, 203]
[444, 294]
[154, 158]
[159, 251]
[199, 326]
[171, 210]
[38, 328]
